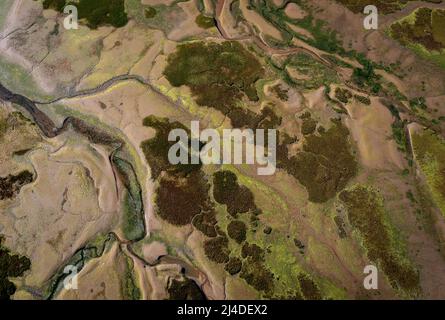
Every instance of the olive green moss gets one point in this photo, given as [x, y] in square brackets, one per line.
[233, 266]
[11, 266]
[308, 126]
[156, 149]
[133, 224]
[217, 249]
[325, 165]
[314, 73]
[226, 190]
[366, 214]
[429, 151]
[130, 290]
[281, 93]
[219, 74]
[308, 287]
[343, 95]
[180, 199]
[425, 28]
[237, 231]
[205, 22]
[150, 12]
[362, 99]
[185, 289]
[10, 185]
[182, 195]
[257, 275]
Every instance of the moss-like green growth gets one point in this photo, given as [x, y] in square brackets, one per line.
[237, 231]
[156, 149]
[233, 266]
[183, 191]
[429, 151]
[205, 22]
[308, 287]
[257, 275]
[366, 214]
[253, 251]
[92, 133]
[343, 95]
[226, 190]
[362, 99]
[218, 74]
[340, 223]
[325, 165]
[217, 249]
[130, 290]
[425, 28]
[185, 289]
[3, 125]
[96, 13]
[150, 12]
[366, 77]
[312, 74]
[308, 126]
[133, 211]
[281, 93]
[180, 199]
[422, 31]
[10, 185]
[11, 266]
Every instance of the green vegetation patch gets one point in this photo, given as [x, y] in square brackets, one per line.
[343, 95]
[422, 31]
[308, 287]
[96, 13]
[257, 275]
[312, 74]
[11, 266]
[217, 249]
[237, 231]
[325, 165]
[133, 212]
[180, 199]
[320, 37]
[10, 185]
[183, 191]
[150, 12]
[205, 22]
[226, 190]
[185, 289]
[366, 78]
[156, 149]
[308, 126]
[429, 150]
[219, 74]
[366, 214]
[362, 99]
[233, 266]
[130, 290]
[281, 93]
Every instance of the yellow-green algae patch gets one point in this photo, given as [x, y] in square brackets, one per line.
[429, 151]
[366, 214]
